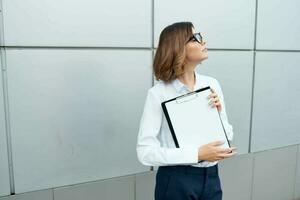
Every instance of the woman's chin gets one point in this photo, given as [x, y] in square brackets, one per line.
[204, 57]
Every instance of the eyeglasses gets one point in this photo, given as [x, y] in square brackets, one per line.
[196, 37]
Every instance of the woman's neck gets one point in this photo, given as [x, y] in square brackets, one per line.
[188, 78]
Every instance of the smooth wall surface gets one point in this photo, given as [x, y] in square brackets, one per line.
[223, 24]
[77, 23]
[67, 64]
[275, 114]
[277, 25]
[70, 126]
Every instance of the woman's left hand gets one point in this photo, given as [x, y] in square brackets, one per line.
[215, 100]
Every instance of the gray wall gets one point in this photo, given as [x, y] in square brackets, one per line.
[65, 133]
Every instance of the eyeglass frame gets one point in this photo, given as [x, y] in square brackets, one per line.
[195, 37]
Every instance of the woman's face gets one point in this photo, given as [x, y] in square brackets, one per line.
[195, 52]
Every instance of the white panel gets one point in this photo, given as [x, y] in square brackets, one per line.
[278, 24]
[75, 114]
[36, 195]
[145, 185]
[1, 26]
[236, 177]
[275, 107]
[274, 174]
[297, 177]
[223, 24]
[4, 173]
[233, 69]
[111, 189]
[77, 23]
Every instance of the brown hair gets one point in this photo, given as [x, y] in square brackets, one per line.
[170, 54]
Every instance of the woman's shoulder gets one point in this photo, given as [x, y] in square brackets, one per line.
[158, 87]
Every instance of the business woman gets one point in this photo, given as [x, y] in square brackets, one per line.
[183, 173]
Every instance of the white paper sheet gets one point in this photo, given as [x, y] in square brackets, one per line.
[193, 120]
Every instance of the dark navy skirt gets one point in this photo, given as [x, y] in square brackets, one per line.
[184, 182]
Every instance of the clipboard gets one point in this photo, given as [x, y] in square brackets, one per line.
[192, 121]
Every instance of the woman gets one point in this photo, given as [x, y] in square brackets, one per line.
[183, 173]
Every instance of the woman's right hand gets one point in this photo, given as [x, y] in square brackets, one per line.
[212, 152]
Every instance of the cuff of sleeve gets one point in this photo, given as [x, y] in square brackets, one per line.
[186, 155]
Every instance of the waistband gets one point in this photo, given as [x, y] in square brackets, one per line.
[187, 169]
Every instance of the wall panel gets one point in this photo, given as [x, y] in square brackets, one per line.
[223, 24]
[274, 174]
[275, 107]
[278, 24]
[75, 114]
[77, 23]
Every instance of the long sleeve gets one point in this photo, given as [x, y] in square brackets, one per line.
[149, 150]
[227, 126]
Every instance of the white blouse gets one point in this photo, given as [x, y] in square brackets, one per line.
[155, 145]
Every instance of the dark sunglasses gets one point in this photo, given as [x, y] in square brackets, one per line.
[196, 37]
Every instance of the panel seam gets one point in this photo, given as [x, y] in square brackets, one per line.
[253, 77]
[7, 122]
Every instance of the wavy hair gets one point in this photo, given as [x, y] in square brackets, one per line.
[169, 58]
